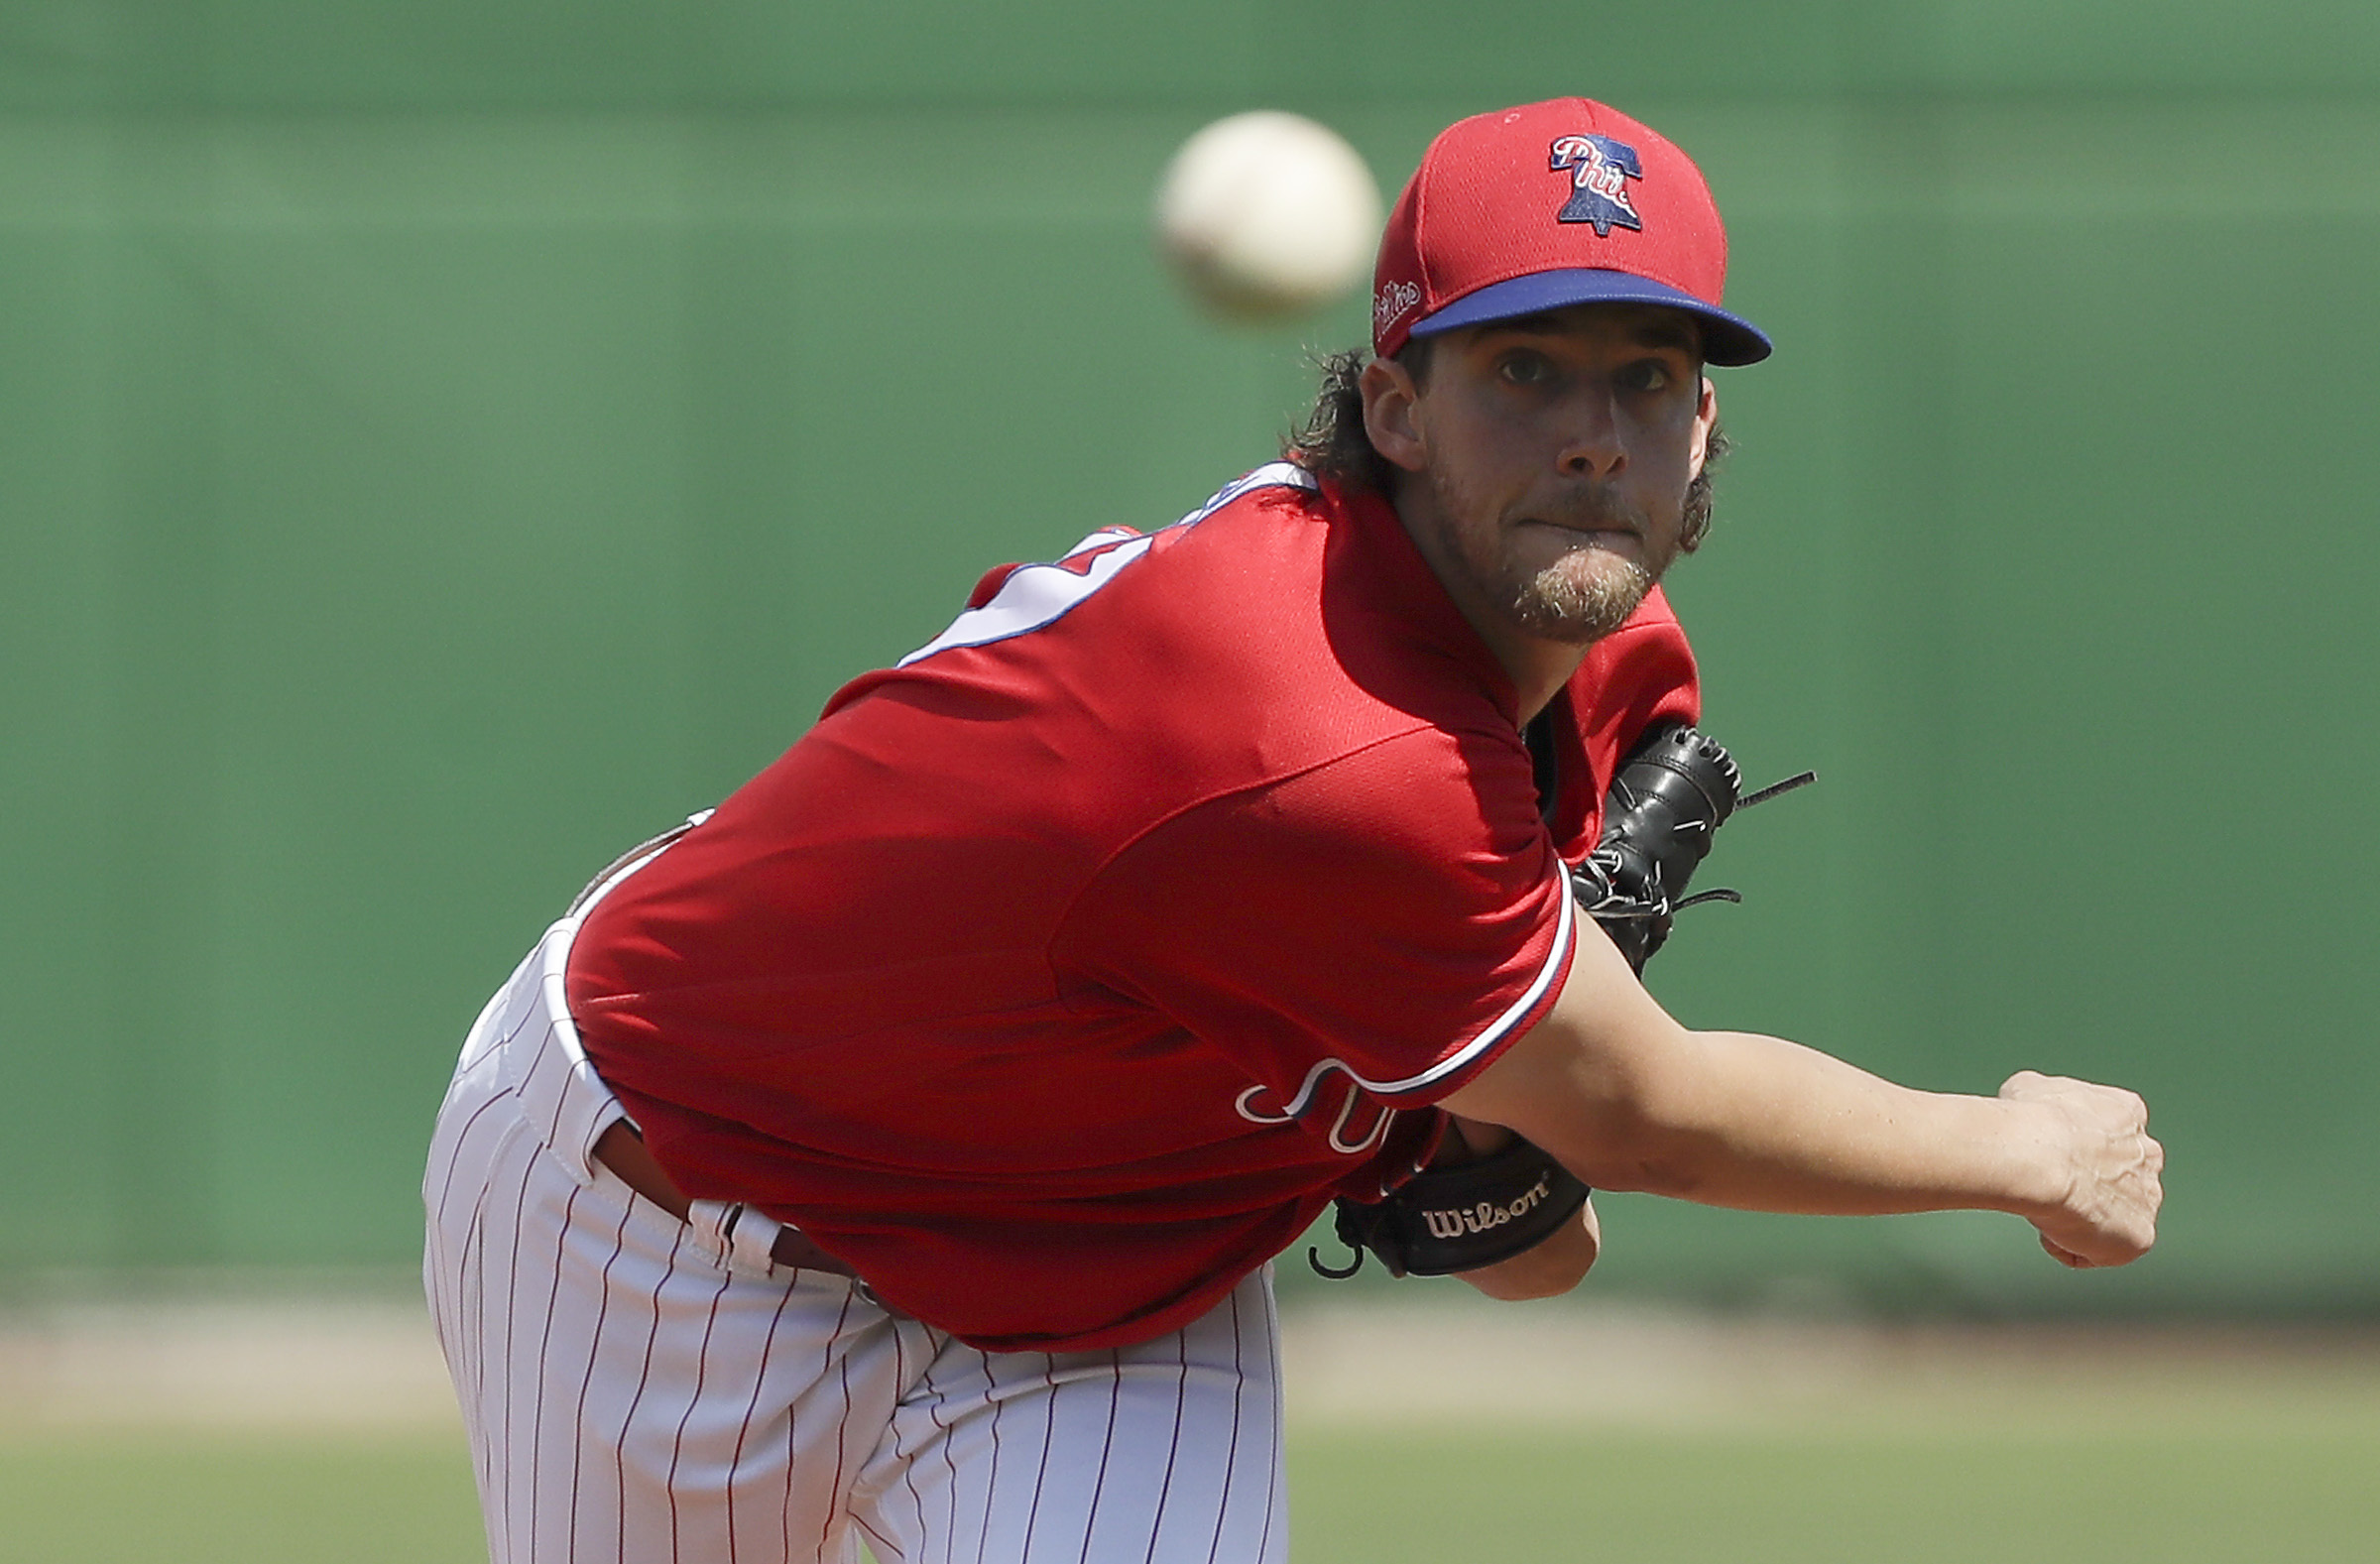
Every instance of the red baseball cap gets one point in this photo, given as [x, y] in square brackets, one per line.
[1554, 203]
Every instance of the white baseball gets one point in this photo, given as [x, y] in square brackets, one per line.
[1267, 215]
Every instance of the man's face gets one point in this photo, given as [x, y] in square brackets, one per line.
[1551, 457]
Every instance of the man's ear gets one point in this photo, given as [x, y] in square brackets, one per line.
[1706, 418]
[1389, 395]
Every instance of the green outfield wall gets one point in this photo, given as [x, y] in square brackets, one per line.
[442, 442]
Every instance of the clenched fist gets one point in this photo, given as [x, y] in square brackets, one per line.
[2096, 1140]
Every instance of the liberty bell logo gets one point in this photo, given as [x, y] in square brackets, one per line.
[1600, 172]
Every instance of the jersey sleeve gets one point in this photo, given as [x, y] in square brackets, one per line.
[1392, 917]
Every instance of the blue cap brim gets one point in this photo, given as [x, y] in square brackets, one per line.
[1728, 340]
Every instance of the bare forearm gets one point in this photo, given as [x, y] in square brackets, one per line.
[1628, 1098]
[1736, 1119]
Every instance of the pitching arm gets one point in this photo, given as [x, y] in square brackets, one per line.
[1628, 1098]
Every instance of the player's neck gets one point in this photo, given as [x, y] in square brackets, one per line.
[1537, 667]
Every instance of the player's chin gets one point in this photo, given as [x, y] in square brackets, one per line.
[1580, 597]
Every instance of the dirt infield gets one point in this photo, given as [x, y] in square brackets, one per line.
[1572, 1363]
[370, 1365]
[348, 1364]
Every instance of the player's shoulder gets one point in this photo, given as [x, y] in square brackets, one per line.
[1274, 485]
[1284, 626]
[1214, 583]
[1276, 619]
[1299, 593]
[1270, 512]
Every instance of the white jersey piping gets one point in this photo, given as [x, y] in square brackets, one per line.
[1034, 595]
[1494, 1033]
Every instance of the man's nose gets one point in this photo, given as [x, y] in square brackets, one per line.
[1590, 444]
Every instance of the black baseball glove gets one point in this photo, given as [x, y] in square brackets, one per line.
[1673, 793]
[1449, 1219]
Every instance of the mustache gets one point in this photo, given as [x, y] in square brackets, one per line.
[1594, 508]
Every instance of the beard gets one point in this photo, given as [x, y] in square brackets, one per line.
[1582, 595]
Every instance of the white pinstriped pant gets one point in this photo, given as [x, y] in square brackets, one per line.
[632, 1392]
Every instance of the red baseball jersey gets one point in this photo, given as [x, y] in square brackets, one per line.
[1060, 975]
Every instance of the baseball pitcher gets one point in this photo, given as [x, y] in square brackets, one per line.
[897, 1151]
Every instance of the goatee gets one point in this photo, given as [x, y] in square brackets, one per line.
[1582, 596]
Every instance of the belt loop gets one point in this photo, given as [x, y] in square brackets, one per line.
[711, 1221]
[733, 1237]
[752, 1238]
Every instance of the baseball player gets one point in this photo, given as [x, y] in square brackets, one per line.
[897, 1151]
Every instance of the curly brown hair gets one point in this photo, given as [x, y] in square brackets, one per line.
[1331, 442]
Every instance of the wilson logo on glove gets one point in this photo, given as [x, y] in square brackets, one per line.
[1454, 1221]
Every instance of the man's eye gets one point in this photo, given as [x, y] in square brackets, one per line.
[1646, 375]
[1526, 369]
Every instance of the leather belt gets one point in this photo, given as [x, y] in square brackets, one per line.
[623, 1150]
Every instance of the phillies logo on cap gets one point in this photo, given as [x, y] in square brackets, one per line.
[1601, 170]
